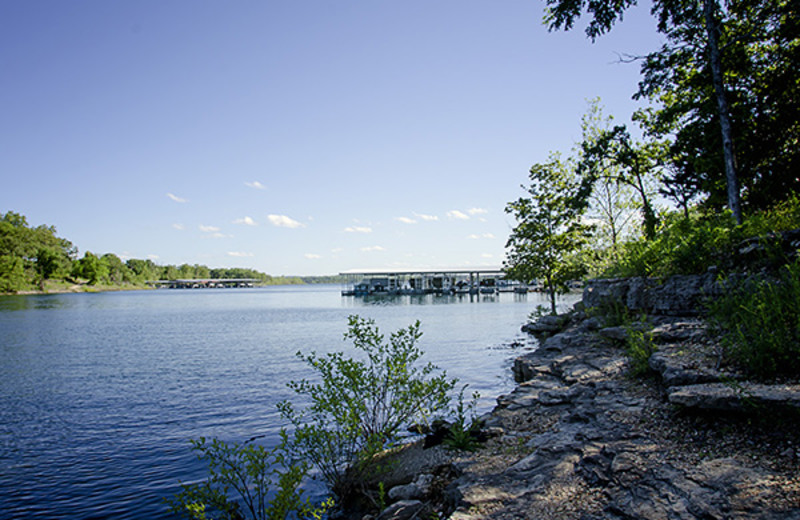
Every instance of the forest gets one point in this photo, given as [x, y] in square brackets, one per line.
[37, 259]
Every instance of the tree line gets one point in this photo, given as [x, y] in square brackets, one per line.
[35, 258]
[719, 139]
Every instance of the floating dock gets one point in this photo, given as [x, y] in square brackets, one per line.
[205, 283]
[428, 281]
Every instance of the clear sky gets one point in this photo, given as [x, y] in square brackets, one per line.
[295, 137]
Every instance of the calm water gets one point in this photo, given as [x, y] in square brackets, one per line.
[101, 392]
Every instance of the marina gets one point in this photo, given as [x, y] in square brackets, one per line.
[429, 281]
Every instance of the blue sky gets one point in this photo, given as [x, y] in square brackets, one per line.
[294, 137]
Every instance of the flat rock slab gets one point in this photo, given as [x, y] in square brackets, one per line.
[735, 397]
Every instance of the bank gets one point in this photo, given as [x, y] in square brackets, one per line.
[580, 438]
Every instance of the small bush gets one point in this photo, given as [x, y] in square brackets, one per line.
[358, 406]
[639, 347]
[239, 482]
[759, 323]
[463, 433]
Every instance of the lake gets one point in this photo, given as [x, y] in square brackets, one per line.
[102, 392]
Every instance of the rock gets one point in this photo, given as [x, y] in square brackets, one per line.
[739, 397]
[546, 325]
[414, 491]
[404, 510]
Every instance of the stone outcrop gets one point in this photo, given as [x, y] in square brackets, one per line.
[580, 439]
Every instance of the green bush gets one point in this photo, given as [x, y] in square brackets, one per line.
[691, 245]
[759, 323]
[465, 427]
[639, 346]
[246, 471]
[358, 406]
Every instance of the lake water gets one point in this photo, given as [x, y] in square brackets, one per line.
[102, 392]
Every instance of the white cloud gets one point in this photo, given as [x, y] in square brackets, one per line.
[312, 256]
[458, 215]
[219, 235]
[256, 185]
[337, 250]
[429, 218]
[239, 254]
[179, 227]
[484, 235]
[358, 229]
[208, 229]
[246, 221]
[152, 257]
[477, 211]
[487, 255]
[406, 220]
[175, 198]
[284, 221]
[372, 249]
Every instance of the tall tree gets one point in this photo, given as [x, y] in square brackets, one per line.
[676, 17]
[550, 228]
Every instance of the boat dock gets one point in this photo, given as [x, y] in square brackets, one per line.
[206, 283]
[428, 281]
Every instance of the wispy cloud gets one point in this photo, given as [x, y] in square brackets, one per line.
[152, 257]
[371, 249]
[208, 229]
[284, 221]
[478, 237]
[176, 198]
[312, 256]
[358, 229]
[247, 221]
[239, 254]
[429, 218]
[477, 211]
[406, 220]
[457, 215]
[179, 227]
[255, 185]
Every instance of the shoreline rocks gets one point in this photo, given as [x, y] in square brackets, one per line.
[579, 438]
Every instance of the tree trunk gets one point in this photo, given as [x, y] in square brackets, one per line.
[734, 202]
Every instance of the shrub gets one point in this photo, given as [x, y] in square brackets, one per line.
[247, 471]
[759, 323]
[358, 406]
[463, 432]
[639, 347]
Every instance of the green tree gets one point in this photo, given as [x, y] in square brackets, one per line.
[357, 406]
[91, 268]
[684, 22]
[12, 274]
[614, 156]
[550, 228]
[118, 272]
[52, 263]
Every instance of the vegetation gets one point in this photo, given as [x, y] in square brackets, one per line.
[357, 406]
[549, 228]
[248, 472]
[758, 319]
[36, 259]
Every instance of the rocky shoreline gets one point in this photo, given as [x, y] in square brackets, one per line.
[580, 438]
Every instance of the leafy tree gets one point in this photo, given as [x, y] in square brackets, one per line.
[143, 270]
[613, 156]
[118, 272]
[358, 406]
[12, 274]
[550, 228]
[52, 263]
[91, 268]
[612, 203]
[685, 23]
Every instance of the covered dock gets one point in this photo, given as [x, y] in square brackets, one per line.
[205, 283]
[428, 281]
